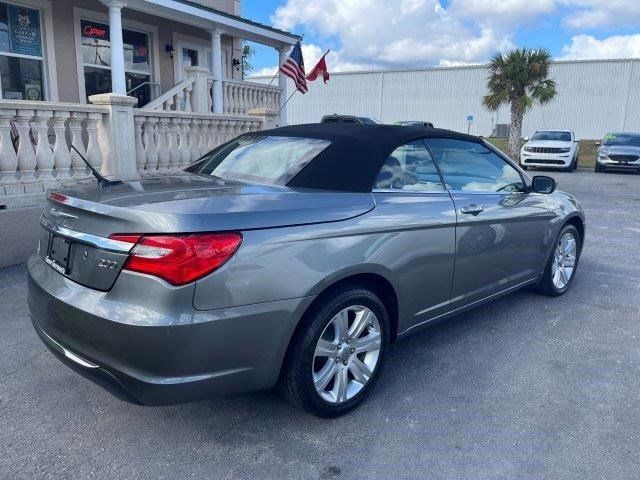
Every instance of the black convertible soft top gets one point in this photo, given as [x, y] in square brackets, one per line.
[356, 154]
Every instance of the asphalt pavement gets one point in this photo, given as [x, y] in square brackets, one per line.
[527, 387]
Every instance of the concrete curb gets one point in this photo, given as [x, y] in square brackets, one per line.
[19, 230]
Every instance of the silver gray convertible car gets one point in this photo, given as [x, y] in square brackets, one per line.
[290, 257]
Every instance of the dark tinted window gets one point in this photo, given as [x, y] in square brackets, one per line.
[409, 167]
[557, 136]
[470, 166]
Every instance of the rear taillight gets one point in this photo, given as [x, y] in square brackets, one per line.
[179, 259]
[58, 197]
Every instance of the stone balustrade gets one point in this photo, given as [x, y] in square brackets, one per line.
[196, 95]
[240, 97]
[166, 142]
[35, 147]
[177, 99]
[36, 140]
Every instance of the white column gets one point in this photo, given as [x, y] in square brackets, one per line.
[282, 84]
[216, 62]
[118, 78]
[116, 134]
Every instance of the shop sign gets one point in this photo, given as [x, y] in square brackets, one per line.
[95, 31]
[24, 31]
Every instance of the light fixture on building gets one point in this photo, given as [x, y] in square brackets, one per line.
[169, 49]
[236, 63]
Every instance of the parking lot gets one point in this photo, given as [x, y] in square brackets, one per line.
[525, 387]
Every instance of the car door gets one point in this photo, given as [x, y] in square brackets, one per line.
[502, 230]
[418, 217]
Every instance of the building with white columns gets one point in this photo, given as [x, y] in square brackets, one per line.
[68, 50]
[140, 87]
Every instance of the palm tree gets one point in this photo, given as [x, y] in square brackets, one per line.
[519, 78]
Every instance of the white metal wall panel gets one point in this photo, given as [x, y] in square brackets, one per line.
[594, 97]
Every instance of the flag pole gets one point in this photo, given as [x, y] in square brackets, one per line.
[285, 103]
[276, 75]
[278, 70]
[296, 90]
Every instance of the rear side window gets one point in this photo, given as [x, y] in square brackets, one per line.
[263, 159]
[469, 166]
[410, 167]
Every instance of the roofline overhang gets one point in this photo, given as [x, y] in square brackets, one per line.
[185, 11]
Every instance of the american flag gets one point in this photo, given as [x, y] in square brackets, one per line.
[294, 68]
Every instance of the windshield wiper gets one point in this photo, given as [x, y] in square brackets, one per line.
[102, 182]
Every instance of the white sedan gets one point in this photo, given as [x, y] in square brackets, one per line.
[551, 149]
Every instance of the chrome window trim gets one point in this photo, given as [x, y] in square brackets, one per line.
[398, 190]
[99, 242]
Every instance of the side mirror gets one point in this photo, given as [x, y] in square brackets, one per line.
[543, 184]
[526, 139]
[597, 144]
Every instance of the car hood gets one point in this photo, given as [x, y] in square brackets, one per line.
[620, 149]
[196, 203]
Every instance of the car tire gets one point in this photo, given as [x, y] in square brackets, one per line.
[554, 282]
[598, 168]
[524, 167]
[575, 162]
[302, 374]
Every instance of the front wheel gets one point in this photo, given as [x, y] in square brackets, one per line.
[335, 356]
[598, 168]
[562, 264]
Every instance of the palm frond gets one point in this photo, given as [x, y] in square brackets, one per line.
[544, 91]
[519, 77]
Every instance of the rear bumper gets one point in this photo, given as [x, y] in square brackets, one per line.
[200, 355]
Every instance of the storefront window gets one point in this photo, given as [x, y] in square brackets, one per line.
[96, 55]
[20, 53]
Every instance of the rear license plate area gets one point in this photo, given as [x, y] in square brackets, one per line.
[58, 253]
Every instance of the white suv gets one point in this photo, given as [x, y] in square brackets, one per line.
[551, 149]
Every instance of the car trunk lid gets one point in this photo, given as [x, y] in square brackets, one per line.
[79, 219]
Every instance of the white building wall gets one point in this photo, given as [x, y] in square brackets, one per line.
[593, 97]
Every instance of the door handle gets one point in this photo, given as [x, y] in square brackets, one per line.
[472, 209]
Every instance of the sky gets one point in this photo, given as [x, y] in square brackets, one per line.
[390, 34]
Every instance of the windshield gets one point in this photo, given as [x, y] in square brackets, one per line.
[263, 159]
[629, 139]
[554, 136]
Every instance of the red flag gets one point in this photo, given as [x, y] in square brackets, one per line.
[320, 68]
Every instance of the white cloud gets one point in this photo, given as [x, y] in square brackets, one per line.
[312, 54]
[503, 12]
[587, 14]
[392, 33]
[375, 34]
[587, 46]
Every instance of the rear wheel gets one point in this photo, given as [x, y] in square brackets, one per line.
[562, 264]
[335, 356]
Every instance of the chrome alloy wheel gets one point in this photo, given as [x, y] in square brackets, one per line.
[564, 260]
[346, 354]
